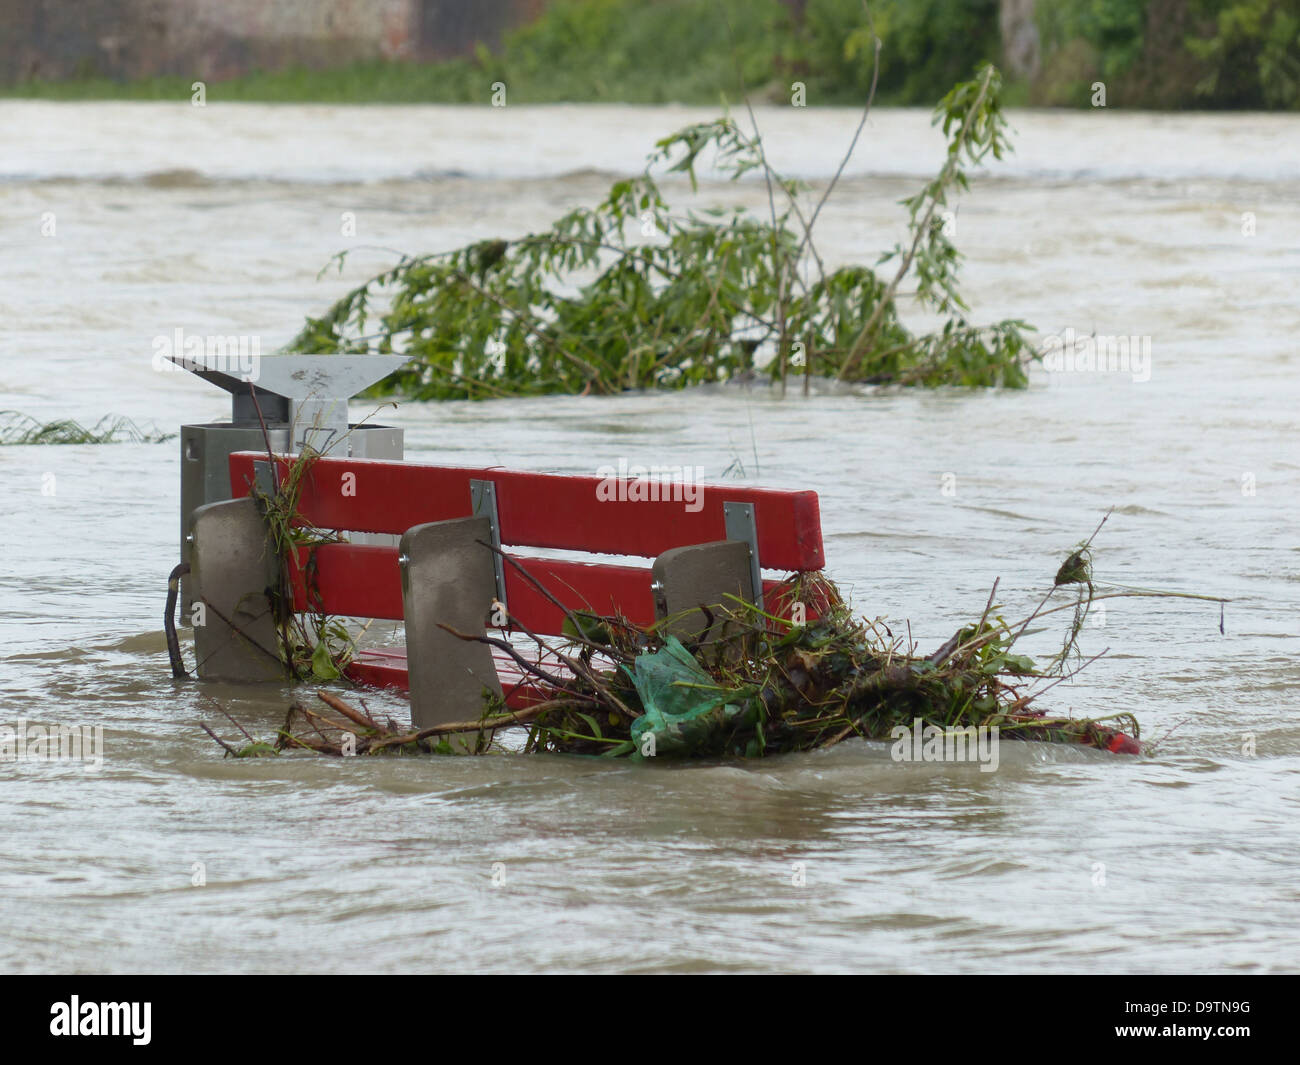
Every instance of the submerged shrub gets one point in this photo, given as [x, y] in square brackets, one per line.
[629, 294]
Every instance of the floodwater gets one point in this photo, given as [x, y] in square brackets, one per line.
[1182, 229]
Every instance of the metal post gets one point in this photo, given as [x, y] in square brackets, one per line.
[742, 524]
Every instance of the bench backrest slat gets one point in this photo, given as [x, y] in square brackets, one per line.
[547, 510]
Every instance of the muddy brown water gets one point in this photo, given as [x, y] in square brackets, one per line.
[217, 220]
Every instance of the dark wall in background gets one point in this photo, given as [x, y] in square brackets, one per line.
[452, 27]
[126, 39]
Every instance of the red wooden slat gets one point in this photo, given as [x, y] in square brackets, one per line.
[379, 672]
[361, 581]
[547, 510]
[387, 669]
[601, 589]
[355, 580]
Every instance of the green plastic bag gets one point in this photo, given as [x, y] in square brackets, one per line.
[684, 707]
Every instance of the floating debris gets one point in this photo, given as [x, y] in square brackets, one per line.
[19, 428]
[752, 683]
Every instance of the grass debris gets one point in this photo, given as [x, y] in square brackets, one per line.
[19, 428]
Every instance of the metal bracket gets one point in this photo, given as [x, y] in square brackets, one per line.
[483, 502]
[742, 524]
[661, 600]
[265, 476]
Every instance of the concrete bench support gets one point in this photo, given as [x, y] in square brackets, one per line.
[448, 578]
[233, 567]
[704, 574]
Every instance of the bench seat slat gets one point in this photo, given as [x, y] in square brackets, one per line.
[387, 669]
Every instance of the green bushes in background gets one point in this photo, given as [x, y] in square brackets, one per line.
[649, 51]
[1150, 53]
[1251, 57]
[1171, 53]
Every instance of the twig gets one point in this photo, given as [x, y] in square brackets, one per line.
[229, 749]
[531, 668]
[237, 725]
[1086, 544]
[347, 711]
[850, 727]
[922, 230]
[866, 111]
[612, 652]
[514, 717]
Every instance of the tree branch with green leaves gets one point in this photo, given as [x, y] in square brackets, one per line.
[631, 294]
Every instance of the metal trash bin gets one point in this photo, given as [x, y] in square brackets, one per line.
[303, 399]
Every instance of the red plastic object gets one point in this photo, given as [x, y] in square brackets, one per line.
[1121, 743]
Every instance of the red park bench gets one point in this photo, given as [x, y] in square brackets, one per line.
[442, 574]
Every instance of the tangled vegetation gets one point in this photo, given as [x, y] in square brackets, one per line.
[754, 683]
[629, 294]
[312, 644]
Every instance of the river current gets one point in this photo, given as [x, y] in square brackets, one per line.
[120, 223]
